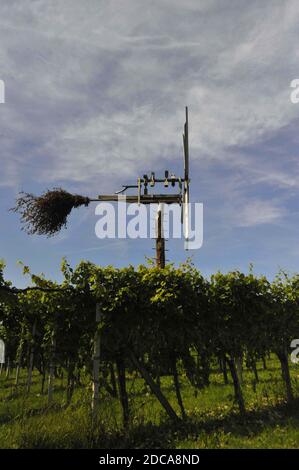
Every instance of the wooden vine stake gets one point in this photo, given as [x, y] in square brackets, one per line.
[7, 368]
[2, 355]
[52, 368]
[19, 358]
[96, 367]
[154, 388]
[31, 358]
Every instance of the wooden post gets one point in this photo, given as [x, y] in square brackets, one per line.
[224, 369]
[123, 395]
[2, 355]
[160, 241]
[20, 356]
[7, 368]
[51, 368]
[19, 365]
[237, 386]
[31, 358]
[283, 358]
[177, 388]
[96, 365]
[154, 388]
[239, 366]
[264, 363]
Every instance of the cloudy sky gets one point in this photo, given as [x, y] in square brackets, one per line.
[95, 95]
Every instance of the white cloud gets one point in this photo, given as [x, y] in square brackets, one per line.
[258, 212]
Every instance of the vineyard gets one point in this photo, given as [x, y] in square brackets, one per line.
[147, 348]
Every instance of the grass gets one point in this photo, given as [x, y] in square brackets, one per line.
[212, 420]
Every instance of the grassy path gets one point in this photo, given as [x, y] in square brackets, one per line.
[213, 420]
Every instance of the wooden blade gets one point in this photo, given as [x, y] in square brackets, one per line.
[185, 207]
[186, 147]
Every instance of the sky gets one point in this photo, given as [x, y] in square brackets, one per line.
[95, 93]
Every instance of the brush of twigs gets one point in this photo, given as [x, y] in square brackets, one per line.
[47, 214]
